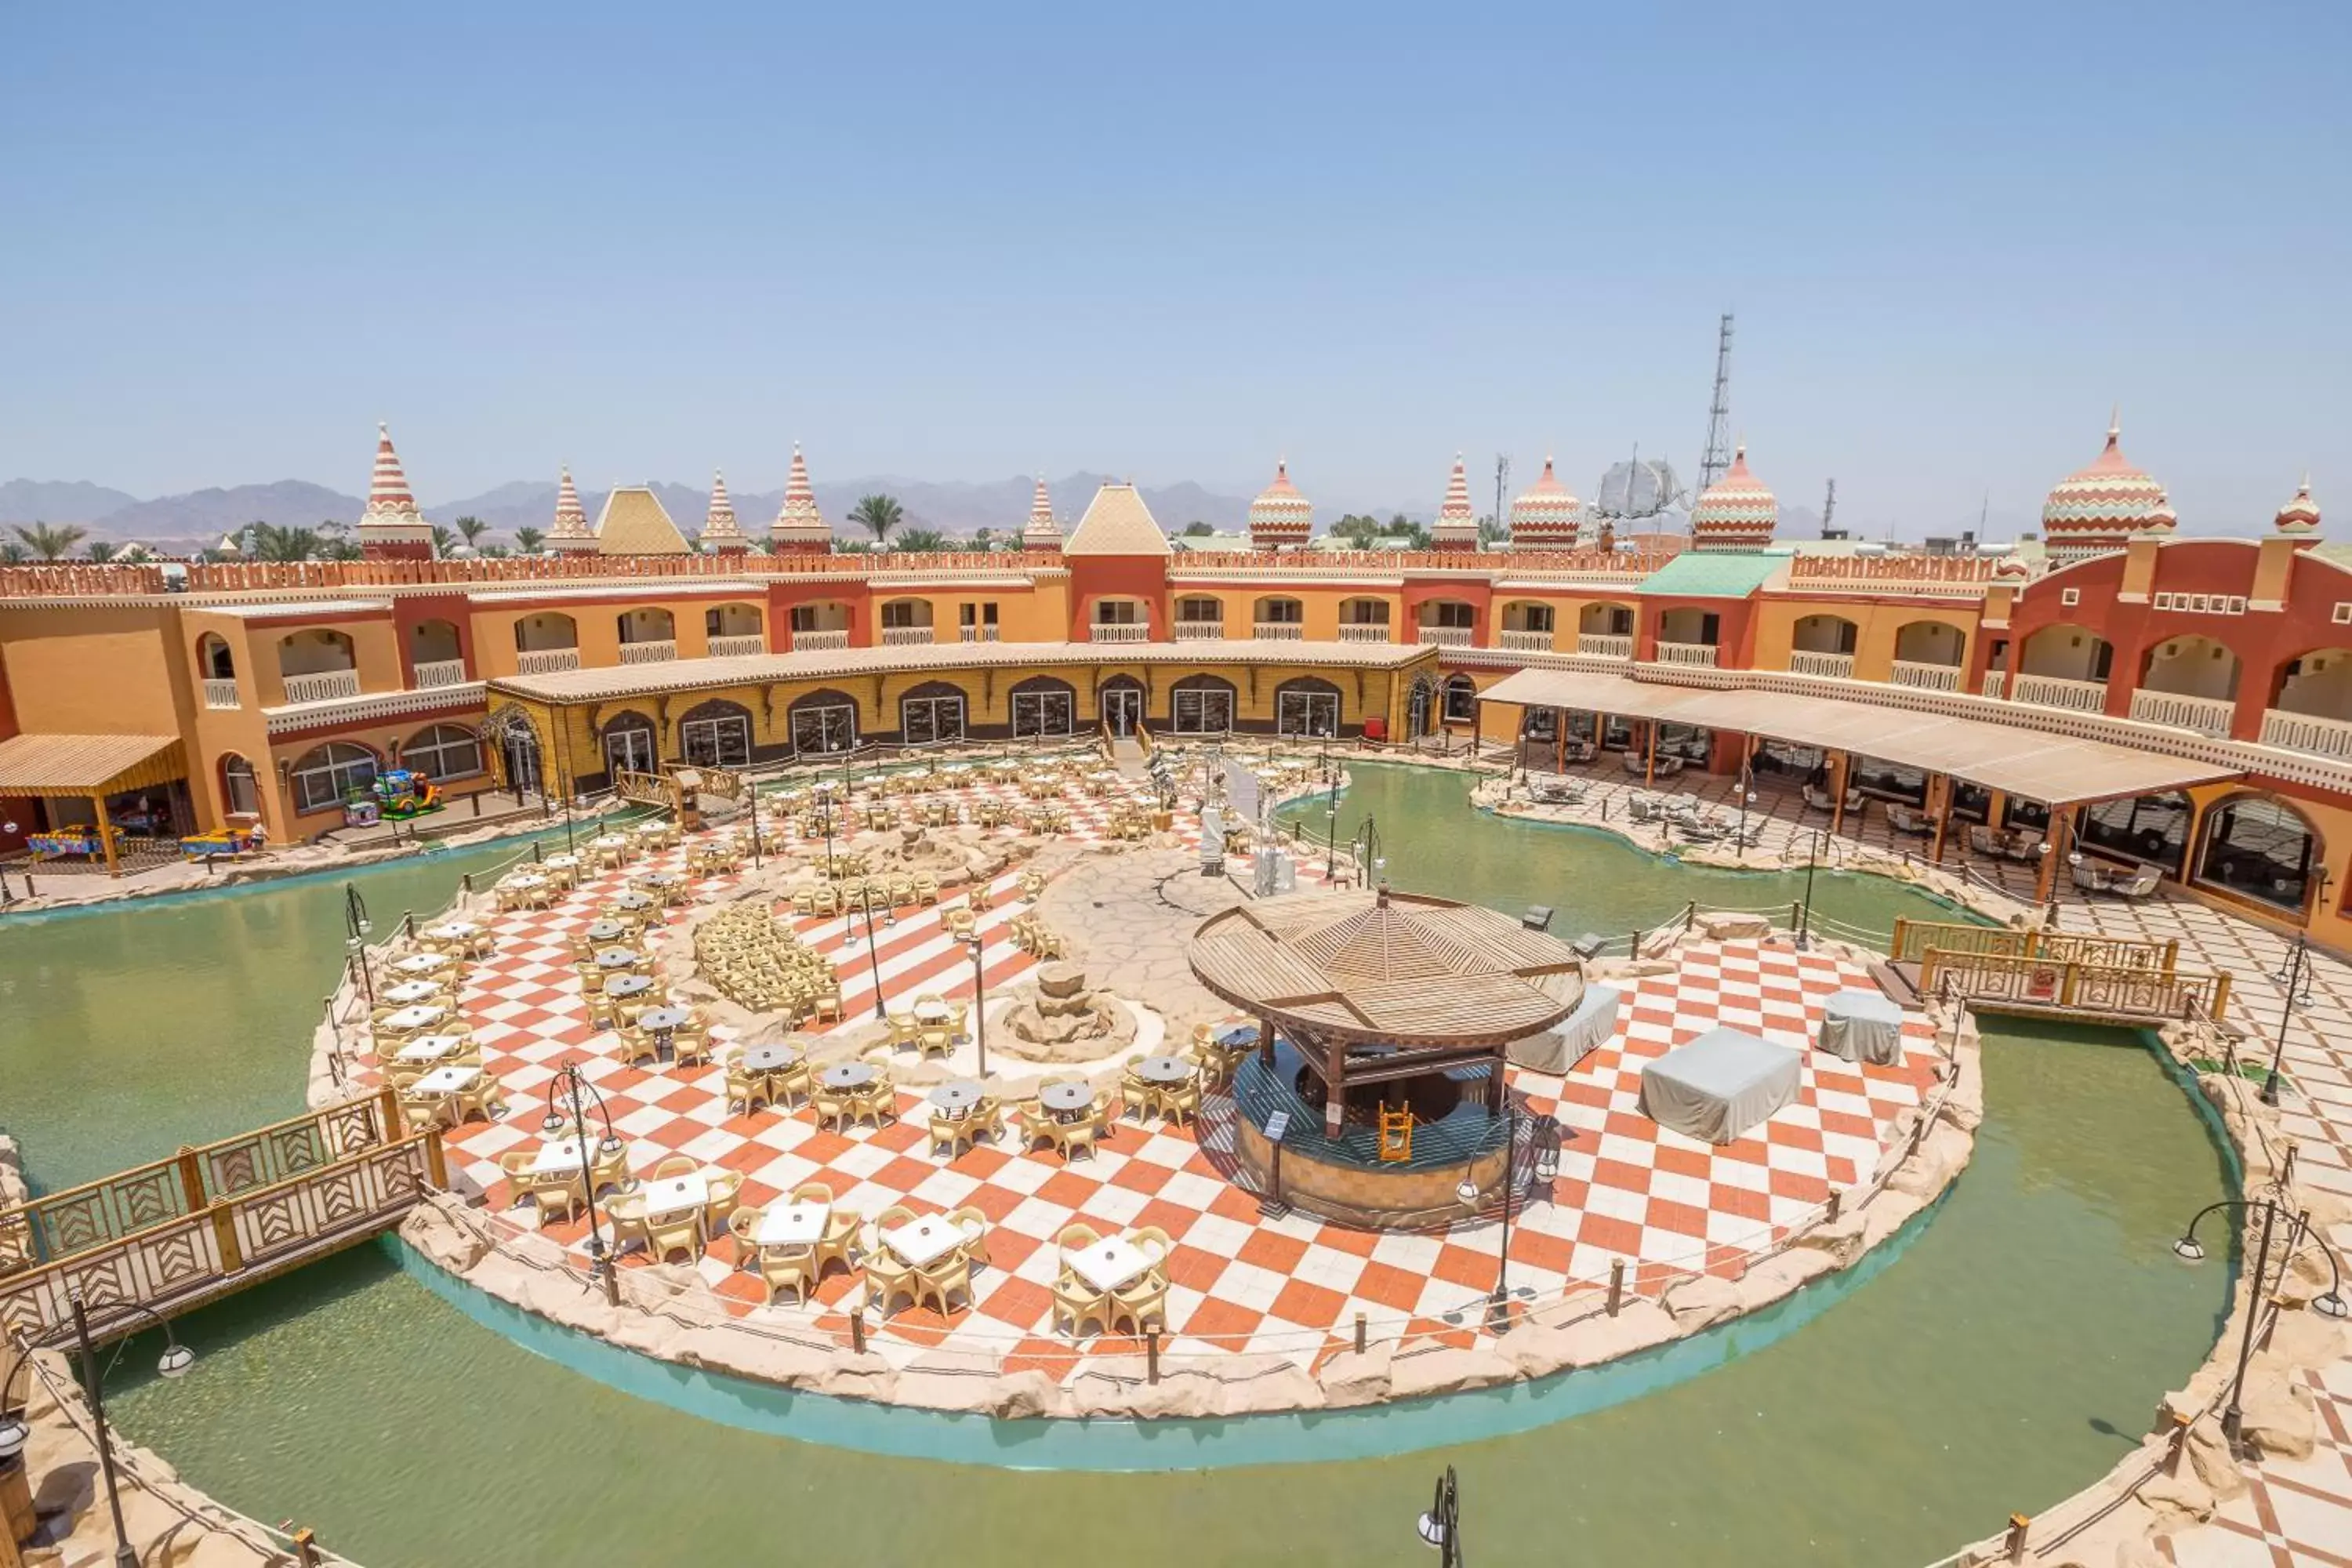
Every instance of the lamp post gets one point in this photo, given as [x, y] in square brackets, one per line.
[570, 1091]
[979, 1003]
[2298, 966]
[1440, 1527]
[563, 740]
[16, 1431]
[1812, 859]
[874, 949]
[1746, 799]
[1499, 1304]
[2298, 1228]
[755, 827]
[356, 926]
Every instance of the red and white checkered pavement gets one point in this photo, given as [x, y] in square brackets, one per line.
[1239, 1281]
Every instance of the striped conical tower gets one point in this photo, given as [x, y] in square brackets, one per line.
[1040, 532]
[1457, 525]
[392, 529]
[799, 527]
[571, 532]
[1280, 517]
[721, 534]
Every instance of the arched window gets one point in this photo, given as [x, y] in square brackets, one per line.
[1461, 700]
[931, 714]
[1421, 707]
[1043, 706]
[631, 743]
[516, 742]
[2261, 848]
[240, 791]
[1119, 702]
[1275, 614]
[435, 642]
[325, 776]
[2151, 828]
[823, 722]
[546, 632]
[716, 735]
[443, 751]
[734, 621]
[1307, 706]
[1200, 705]
[647, 624]
[213, 653]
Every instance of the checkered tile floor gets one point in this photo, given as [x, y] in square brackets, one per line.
[1625, 1188]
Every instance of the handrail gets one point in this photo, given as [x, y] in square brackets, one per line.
[1913, 938]
[2053, 981]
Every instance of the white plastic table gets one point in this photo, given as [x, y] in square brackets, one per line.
[410, 991]
[410, 1020]
[676, 1195]
[421, 963]
[456, 930]
[1108, 1265]
[792, 1224]
[933, 1012]
[430, 1047]
[446, 1080]
[558, 1158]
[924, 1241]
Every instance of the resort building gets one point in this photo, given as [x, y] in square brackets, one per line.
[2183, 704]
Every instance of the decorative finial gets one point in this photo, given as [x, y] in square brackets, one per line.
[2115, 424]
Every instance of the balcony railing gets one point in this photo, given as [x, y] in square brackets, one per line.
[1199, 631]
[220, 691]
[434, 672]
[821, 642]
[906, 637]
[660, 652]
[323, 686]
[1277, 631]
[1698, 653]
[1925, 677]
[1996, 682]
[981, 633]
[1363, 631]
[1807, 661]
[546, 660]
[2052, 692]
[2307, 733]
[1445, 636]
[1528, 642]
[1119, 631]
[1605, 645]
[2206, 715]
[741, 645]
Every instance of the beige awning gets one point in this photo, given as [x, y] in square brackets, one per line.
[88, 764]
[2034, 764]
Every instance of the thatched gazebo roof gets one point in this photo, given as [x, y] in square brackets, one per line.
[1385, 966]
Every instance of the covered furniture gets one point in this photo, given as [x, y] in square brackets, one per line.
[1720, 1086]
[1558, 1048]
[1862, 1026]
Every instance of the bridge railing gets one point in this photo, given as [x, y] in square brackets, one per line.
[2054, 984]
[63, 1224]
[1913, 938]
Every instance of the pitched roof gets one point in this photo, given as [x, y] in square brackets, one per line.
[1713, 574]
[1117, 523]
[88, 764]
[634, 523]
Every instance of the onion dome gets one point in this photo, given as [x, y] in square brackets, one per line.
[2301, 515]
[1040, 532]
[1736, 513]
[1547, 516]
[2160, 520]
[1280, 516]
[721, 534]
[391, 526]
[1457, 525]
[571, 530]
[799, 526]
[2093, 510]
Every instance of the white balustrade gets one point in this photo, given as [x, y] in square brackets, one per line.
[979, 633]
[821, 642]
[1119, 631]
[546, 660]
[2307, 733]
[1199, 631]
[1996, 682]
[2206, 715]
[220, 693]
[433, 672]
[1363, 631]
[1832, 666]
[1927, 676]
[742, 644]
[1605, 645]
[906, 637]
[1277, 631]
[323, 686]
[1445, 636]
[660, 652]
[1698, 653]
[2052, 692]
[1528, 642]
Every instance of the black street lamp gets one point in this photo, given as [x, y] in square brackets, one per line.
[1440, 1527]
[570, 1091]
[2299, 1229]
[1499, 1304]
[2297, 983]
[356, 926]
[874, 949]
[16, 1431]
[1812, 859]
[979, 1002]
[1746, 799]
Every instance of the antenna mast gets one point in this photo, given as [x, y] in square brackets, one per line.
[1502, 480]
[1829, 510]
[1715, 461]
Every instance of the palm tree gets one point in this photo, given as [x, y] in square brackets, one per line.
[877, 515]
[12, 552]
[270, 541]
[102, 549]
[443, 540]
[926, 540]
[529, 539]
[49, 542]
[471, 528]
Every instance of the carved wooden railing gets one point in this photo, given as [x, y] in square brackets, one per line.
[2055, 984]
[1913, 938]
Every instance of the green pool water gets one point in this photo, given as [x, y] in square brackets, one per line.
[2009, 1355]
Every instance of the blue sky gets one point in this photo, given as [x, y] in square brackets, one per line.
[1176, 241]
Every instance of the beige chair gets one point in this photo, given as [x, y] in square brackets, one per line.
[679, 1232]
[974, 1226]
[671, 1166]
[792, 1268]
[941, 1279]
[1079, 1303]
[1142, 1304]
[742, 1225]
[726, 1187]
[627, 1213]
[951, 1132]
[887, 1280]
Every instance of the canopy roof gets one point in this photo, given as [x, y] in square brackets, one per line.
[2039, 765]
[88, 764]
[1388, 966]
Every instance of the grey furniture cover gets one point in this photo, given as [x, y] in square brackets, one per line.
[1566, 1043]
[1862, 1026]
[1719, 1086]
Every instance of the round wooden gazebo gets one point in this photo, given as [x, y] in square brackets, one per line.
[1378, 987]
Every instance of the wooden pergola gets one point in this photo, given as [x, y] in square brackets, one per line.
[1378, 987]
[91, 768]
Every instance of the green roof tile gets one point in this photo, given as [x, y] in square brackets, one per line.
[1713, 574]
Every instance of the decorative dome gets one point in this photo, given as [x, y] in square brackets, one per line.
[799, 526]
[1457, 525]
[1040, 532]
[1280, 516]
[391, 526]
[1547, 516]
[571, 530]
[2161, 520]
[721, 534]
[1736, 513]
[2300, 515]
[2093, 510]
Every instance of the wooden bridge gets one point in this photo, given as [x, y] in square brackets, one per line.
[176, 1233]
[2055, 973]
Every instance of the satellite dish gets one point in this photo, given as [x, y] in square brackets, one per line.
[1642, 487]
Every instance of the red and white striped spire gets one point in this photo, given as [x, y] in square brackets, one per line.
[799, 525]
[391, 526]
[388, 490]
[1457, 525]
[720, 532]
[571, 530]
[1040, 532]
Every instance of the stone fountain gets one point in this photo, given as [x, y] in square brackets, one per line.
[1059, 1018]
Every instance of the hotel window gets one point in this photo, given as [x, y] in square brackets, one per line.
[1041, 713]
[1451, 613]
[900, 613]
[926, 721]
[970, 615]
[443, 751]
[325, 775]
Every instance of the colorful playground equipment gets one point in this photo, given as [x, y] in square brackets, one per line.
[396, 794]
[222, 843]
[61, 842]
